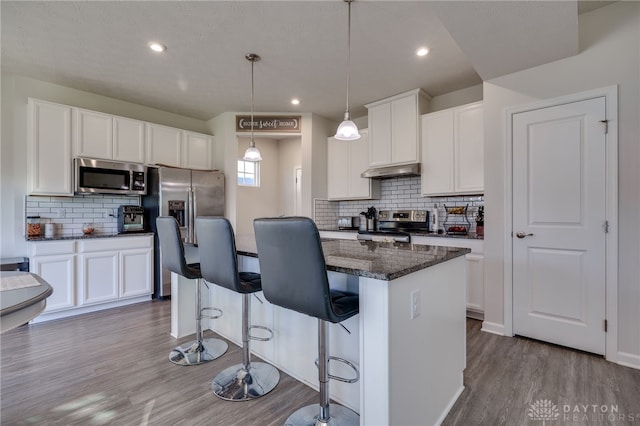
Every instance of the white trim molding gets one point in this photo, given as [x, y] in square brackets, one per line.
[628, 360]
[610, 94]
[493, 328]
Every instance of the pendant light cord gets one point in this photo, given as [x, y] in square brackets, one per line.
[347, 115]
[252, 141]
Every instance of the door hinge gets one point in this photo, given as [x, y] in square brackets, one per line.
[605, 227]
[605, 124]
[605, 325]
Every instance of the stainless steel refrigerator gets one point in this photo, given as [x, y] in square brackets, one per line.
[183, 194]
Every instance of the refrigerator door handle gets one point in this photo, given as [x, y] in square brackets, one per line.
[194, 206]
[189, 218]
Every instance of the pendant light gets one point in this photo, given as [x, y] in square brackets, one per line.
[347, 130]
[252, 153]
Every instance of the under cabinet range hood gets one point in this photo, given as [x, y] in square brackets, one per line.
[392, 171]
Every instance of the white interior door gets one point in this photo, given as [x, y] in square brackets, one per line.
[558, 224]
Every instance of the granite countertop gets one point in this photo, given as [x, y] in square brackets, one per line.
[471, 236]
[87, 237]
[373, 259]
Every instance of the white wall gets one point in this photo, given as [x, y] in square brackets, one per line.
[262, 201]
[610, 55]
[457, 98]
[13, 148]
[290, 157]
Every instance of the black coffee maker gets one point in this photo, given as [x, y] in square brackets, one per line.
[130, 219]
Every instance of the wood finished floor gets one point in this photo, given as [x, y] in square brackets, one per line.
[111, 368]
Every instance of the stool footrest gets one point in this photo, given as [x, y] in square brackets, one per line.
[348, 363]
[211, 316]
[261, 339]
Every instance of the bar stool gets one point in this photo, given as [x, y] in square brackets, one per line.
[246, 381]
[172, 249]
[294, 276]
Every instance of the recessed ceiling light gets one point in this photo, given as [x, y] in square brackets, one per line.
[157, 47]
[422, 51]
[295, 101]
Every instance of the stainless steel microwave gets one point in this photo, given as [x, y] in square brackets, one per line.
[109, 177]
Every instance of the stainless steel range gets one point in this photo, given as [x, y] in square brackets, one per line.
[397, 225]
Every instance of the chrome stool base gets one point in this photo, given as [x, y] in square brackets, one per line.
[308, 416]
[194, 352]
[238, 384]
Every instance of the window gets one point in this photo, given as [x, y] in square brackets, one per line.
[248, 173]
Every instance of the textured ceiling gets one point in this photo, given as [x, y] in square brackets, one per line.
[101, 47]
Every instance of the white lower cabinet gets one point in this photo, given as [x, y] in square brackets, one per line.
[136, 272]
[98, 277]
[474, 262]
[475, 284]
[93, 274]
[55, 262]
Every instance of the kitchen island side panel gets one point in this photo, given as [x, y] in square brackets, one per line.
[427, 353]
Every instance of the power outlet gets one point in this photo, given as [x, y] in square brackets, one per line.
[415, 304]
[61, 213]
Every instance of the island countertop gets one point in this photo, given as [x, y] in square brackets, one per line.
[373, 259]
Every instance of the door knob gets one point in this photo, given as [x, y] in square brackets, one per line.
[522, 234]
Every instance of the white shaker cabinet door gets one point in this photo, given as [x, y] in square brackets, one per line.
[359, 187]
[92, 135]
[404, 126]
[59, 272]
[380, 135]
[469, 148]
[163, 145]
[338, 169]
[346, 161]
[49, 149]
[136, 272]
[128, 140]
[98, 277]
[437, 153]
[475, 282]
[197, 151]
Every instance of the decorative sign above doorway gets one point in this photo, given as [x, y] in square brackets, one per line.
[269, 123]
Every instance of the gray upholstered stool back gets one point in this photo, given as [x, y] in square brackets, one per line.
[217, 242]
[292, 267]
[172, 248]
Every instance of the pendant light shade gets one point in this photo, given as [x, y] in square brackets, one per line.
[252, 153]
[347, 130]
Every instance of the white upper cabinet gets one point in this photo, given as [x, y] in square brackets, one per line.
[49, 148]
[128, 140]
[197, 151]
[469, 148]
[109, 137]
[92, 134]
[346, 160]
[179, 148]
[163, 145]
[394, 128]
[453, 151]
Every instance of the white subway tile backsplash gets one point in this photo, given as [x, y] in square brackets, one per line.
[397, 194]
[69, 214]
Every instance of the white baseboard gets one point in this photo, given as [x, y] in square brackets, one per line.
[493, 328]
[449, 406]
[475, 314]
[628, 360]
[50, 316]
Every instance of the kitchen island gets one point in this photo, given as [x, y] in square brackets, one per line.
[408, 339]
